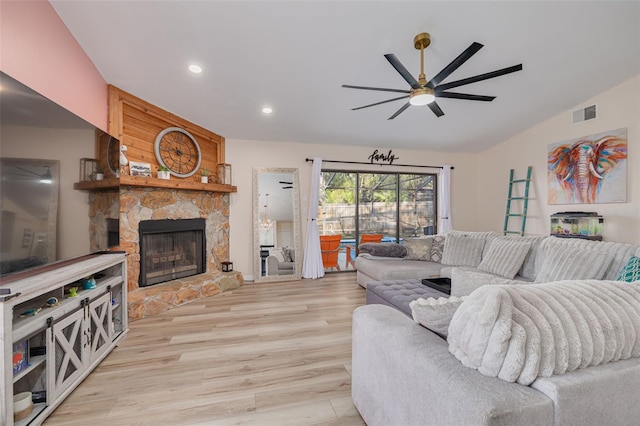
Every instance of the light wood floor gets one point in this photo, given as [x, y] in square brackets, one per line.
[263, 354]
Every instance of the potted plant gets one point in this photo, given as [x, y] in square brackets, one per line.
[204, 175]
[99, 173]
[163, 173]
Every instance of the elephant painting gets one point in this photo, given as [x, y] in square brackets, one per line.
[579, 169]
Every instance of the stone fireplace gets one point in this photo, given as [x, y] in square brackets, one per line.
[157, 208]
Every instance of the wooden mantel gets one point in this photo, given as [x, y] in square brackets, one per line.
[126, 180]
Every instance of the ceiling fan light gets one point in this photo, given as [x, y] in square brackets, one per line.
[422, 97]
[47, 178]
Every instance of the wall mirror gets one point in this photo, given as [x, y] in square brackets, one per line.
[277, 248]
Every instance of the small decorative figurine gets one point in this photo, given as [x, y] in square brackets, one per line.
[123, 160]
[88, 283]
[73, 292]
[52, 301]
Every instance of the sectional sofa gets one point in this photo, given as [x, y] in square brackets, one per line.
[281, 261]
[471, 259]
[404, 372]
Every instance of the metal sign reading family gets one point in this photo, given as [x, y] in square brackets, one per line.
[380, 157]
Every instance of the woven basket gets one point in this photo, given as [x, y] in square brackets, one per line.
[20, 415]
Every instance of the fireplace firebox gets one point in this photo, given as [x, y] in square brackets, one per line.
[171, 249]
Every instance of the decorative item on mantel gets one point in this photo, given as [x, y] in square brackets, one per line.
[224, 174]
[88, 169]
[227, 266]
[99, 174]
[163, 173]
[123, 160]
[204, 175]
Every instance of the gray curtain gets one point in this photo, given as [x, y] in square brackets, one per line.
[312, 265]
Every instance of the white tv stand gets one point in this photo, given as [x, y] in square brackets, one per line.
[67, 340]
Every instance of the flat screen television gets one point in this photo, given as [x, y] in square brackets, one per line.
[43, 220]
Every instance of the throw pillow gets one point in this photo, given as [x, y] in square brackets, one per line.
[528, 269]
[505, 257]
[460, 250]
[288, 254]
[437, 247]
[573, 263]
[435, 314]
[631, 271]
[418, 248]
[383, 249]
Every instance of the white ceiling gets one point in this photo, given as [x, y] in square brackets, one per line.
[295, 55]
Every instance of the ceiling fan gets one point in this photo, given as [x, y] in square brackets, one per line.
[287, 184]
[425, 92]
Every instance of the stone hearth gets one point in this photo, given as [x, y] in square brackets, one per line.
[149, 301]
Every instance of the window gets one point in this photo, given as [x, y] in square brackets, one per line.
[396, 205]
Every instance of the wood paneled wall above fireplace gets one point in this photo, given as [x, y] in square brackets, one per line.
[137, 123]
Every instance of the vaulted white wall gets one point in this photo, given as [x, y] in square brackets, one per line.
[245, 155]
[617, 107]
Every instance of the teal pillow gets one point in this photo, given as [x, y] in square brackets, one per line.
[631, 271]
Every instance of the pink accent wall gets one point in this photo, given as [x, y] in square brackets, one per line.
[37, 49]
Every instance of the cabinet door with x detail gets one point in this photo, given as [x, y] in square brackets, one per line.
[65, 351]
[99, 328]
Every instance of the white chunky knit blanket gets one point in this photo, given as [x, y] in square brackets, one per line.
[520, 332]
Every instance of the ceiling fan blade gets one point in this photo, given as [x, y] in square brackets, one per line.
[466, 96]
[455, 64]
[287, 183]
[436, 109]
[380, 89]
[380, 103]
[480, 77]
[402, 70]
[400, 111]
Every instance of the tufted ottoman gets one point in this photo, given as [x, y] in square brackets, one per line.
[399, 293]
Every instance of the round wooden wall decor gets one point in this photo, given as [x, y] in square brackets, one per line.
[178, 150]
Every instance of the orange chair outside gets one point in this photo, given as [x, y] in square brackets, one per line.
[364, 238]
[330, 248]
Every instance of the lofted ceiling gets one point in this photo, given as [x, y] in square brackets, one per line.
[295, 55]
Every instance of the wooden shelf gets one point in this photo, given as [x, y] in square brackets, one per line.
[34, 362]
[114, 183]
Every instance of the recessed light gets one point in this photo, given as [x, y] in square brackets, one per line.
[195, 69]
[267, 110]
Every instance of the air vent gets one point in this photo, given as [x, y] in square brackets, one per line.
[584, 114]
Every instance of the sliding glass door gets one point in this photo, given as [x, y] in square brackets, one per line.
[377, 205]
[355, 203]
[417, 205]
